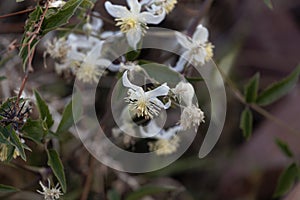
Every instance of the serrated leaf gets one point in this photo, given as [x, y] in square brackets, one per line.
[57, 167]
[286, 180]
[43, 109]
[61, 17]
[71, 114]
[269, 3]
[8, 189]
[284, 147]
[251, 89]
[246, 122]
[34, 130]
[279, 89]
[148, 190]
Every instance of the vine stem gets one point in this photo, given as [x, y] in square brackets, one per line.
[31, 51]
[253, 106]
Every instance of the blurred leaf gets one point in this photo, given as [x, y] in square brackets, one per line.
[7, 189]
[148, 190]
[34, 130]
[43, 109]
[132, 55]
[286, 180]
[246, 122]
[194, 79]
[2, 78]
[279, 89]
[251, 88]
[71, 114]
[162, 73]
[269, 3]
[113, 195]
[284, 147]
[61, 17]
[57, 167]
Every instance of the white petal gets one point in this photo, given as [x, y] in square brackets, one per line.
[169, 133]
[159, 91]
[181, 62]
[150, 18]
[116, 10]
[103, 62]
[201, 34]
[133, 37]
[114, 68]
[151, 129]
[134, 6]
[127, 83]
[184, 40]
[94, 53]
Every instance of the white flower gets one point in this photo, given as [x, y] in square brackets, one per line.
[131, 66]
[154, 131]
[145, 104]
[160, 6]
[91, 66]
[191, 116]
[198, 49]
[50, 193]
[56, 4]
[132, 22]
[93, 26]
[165, 146]
[184, 92]
[58, 48]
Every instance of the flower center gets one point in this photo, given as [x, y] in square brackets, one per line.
[209, 51]
[169, 5]
[127, 24]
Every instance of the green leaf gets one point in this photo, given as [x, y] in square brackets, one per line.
[43, 109]
[286, 180]
[251, 89]
[2, 78]
[148, 190]
[279, 89]
[57, 167]
[14, 139]
[32, 20]
[246, 122]
[7, 189]
[61, 17]
[284, 147]
[269, 4]
[34, 130]
[113, 195]
[71, 114]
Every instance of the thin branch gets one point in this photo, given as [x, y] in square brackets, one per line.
[17, 13]
[254, 106]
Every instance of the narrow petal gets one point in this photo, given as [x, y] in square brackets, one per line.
[151, 129]
[150, 18]
[184, 40]
[103, 62]
[133, 37]
[201, 34]
[181, 62]
[127, 83]
[167, 134]
[160, 104]
[94, 53]
[116, 10]
[134, 6]
[114, 68]
[159, 91]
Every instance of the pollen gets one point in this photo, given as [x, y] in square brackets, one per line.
[169, 5]
[127, 24]
[209, 51]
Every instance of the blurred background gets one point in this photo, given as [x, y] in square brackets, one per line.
[253, 37]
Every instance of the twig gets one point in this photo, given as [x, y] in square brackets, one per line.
[254, 106]
[17, 13]
[89, 178]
